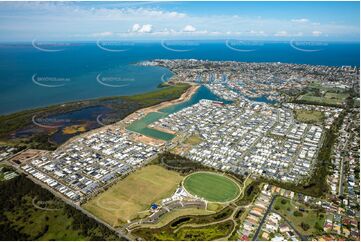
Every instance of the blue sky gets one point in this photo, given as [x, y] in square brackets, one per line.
[47, 21]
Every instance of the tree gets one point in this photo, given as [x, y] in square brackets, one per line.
[305, 226]
[318, 226]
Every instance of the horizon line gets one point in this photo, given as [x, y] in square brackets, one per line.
[159, 40]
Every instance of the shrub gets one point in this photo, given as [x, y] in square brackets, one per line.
[318, 226]
[305, 226]
[297, 214]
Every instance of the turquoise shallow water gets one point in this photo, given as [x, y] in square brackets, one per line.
[140, 126]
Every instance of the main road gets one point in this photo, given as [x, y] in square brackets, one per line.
[119, 232]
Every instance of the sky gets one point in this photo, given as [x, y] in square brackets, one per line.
[274, 21]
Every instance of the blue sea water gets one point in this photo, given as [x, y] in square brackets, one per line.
[33, 78]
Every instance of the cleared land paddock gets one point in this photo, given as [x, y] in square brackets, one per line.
[128, 198]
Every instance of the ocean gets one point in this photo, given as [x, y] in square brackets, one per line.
[38, 75]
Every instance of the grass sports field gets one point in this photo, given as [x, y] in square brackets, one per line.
[130, 197]
[309, 116]
[319, 94]
[211, 186]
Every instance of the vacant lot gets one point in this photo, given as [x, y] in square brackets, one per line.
[194, 140]
[298, 214]
[130, 197]
[309, 116]
[212, 186]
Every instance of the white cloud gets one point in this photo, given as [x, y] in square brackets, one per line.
[125, 13]
[136, 28]
[189, 28]
[176, 14]
[257, 33]
[282, 33]
[146, 28]
[300, 20]
[316, 33]
[102, 34]
[51, 20]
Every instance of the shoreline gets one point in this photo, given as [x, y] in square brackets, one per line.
[184, 97]
[122, 124]
[14, 122]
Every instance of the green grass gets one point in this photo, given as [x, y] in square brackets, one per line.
[43, 225]
[320, 86]
[250, 192]
[176, 214]
[203, 233]
[21, 220]
[57, 222]
[331, 95]
[164, 94]
[319, 95]
[309, 216]
[320, 100]
[184, 226]
[309, 116]
[211, 186]
[133, 194]
[4, 169]
[194, 140]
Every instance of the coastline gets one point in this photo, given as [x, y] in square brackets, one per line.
[40, 137]
[184, 97]
[122, 124]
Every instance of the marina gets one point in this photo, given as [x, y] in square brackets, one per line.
[141, 125]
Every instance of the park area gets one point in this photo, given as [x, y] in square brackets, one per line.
[307, 221]
[211, 186]
[309, 116]
[193, 140]
[321, 95]
[131, 197]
